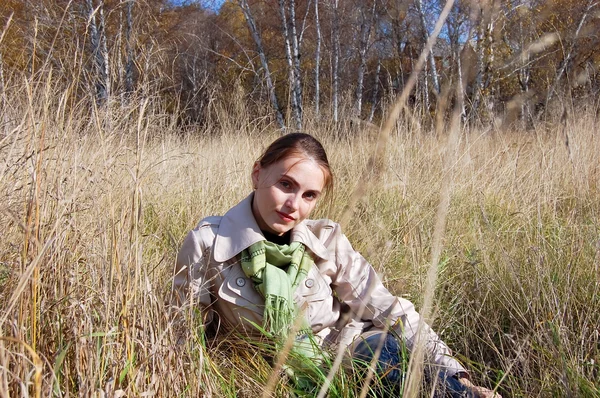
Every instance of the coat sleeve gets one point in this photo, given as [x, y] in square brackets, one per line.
[357, 285]
[191, 284]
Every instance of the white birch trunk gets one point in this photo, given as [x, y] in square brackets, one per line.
[99, 51]
[375, 90]
[129, 47]
[434, 75]
[365, 34]
[105, 71]
[288, 58]
[297, 87]
[485, 57]
[292, 53]
[336, 59]
[263, 60]
[317, 59]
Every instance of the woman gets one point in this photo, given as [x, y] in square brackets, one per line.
[265, 263]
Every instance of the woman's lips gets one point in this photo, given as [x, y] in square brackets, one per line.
[286, 217]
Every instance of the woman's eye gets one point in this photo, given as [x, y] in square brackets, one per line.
[285, 184]
[310, 196]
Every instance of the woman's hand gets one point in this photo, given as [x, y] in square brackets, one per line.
[480, 392]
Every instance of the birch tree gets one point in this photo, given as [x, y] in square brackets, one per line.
[425, 32]
[367, 20]
[263, 60]
[292, 53]
[485, 55]
[128, 84]
[335, 33]
[375, 90]
[317, 57]
[99, 50]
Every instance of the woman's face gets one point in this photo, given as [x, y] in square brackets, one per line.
[286, 192]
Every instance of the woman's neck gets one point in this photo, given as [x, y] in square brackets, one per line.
[278, 239]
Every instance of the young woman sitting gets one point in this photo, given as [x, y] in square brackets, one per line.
[265, 263]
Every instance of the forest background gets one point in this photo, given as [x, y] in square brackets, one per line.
[124, 122]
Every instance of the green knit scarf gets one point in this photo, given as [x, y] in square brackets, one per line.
[276, 271]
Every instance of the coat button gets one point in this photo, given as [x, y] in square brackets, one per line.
[309, 283]
[240, 281]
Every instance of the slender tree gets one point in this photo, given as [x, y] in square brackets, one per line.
[367, 21]
[335, 33]
[129, 46]
[425, 32]
[263, 60]
[485, 55]
[99, 50]
[292, 54]
[317, 58]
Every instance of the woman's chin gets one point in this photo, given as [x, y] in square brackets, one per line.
[279, 229]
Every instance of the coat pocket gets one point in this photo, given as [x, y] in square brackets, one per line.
[315, 297]
[238, 290]
[313, 288]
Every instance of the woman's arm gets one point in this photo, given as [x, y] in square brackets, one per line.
[358, 285]
[191, 285]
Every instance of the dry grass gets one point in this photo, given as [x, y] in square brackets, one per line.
[96, 203]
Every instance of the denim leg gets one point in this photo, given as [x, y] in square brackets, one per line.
[451, 388]
[391, 364]
[391, 367]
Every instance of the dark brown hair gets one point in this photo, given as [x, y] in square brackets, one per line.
[298, 144]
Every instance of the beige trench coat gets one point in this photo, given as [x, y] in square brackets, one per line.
[342, 295]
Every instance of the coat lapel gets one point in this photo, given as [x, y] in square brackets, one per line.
[238, 230]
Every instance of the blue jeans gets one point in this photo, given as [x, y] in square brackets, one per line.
[391, 367]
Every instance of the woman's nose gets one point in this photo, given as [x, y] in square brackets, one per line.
[292, 202]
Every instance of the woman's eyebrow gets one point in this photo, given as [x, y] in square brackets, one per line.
[289, 177]
[293, 180]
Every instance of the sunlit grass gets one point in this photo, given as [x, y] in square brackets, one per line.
[97, 202]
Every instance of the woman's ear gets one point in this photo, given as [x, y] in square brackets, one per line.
[255, 172]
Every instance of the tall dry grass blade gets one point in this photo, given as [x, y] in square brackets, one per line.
[6, 26]
[23, 282]
[37, 363]
[416, 363]
[415, 369]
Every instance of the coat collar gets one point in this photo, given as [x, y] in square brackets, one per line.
[238, 230]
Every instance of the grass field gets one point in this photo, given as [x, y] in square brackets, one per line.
[96, 203]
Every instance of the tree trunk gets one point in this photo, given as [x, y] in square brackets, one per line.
[434, 75]
[485, 57]
[288, 58]
[99, 51]
[365, 34]
[263, 60]
[375, 90]
[453, 24]
[297, 87]
[317, 58]
[129, 47]
[336, 59]
[292, 54]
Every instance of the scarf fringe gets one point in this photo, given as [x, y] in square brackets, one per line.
[278, 317]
